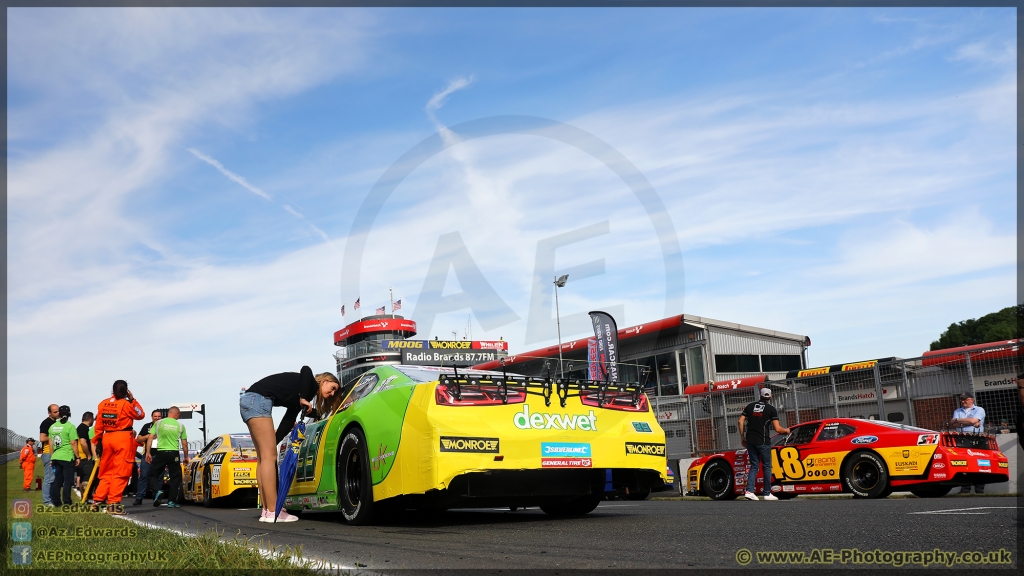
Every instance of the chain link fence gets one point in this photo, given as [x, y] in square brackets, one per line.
[922, 392]
[13, 443]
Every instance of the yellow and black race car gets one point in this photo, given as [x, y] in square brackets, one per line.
[225, 467]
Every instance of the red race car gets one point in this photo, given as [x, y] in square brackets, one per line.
[868, 458]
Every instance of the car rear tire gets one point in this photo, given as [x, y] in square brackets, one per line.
[355, 488]
[866, 475]
[574, 507]
[717, 481]
[930, 491]
[207, 491]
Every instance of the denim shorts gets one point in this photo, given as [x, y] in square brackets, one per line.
[253, 405]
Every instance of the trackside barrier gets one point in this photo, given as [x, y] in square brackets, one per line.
[921, 392]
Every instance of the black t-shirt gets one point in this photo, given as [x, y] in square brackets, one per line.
[145, 428]
[759, 416]
[83, 434]
[285, 389]
[44, 428]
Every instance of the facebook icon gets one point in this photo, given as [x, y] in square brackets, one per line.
[21, 555]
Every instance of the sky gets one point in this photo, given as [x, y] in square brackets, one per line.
[183, 185]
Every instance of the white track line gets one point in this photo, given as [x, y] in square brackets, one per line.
[316, 564]
[967, 510]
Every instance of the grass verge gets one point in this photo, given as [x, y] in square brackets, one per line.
[76, 539]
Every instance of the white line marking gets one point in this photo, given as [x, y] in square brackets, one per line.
[316, 564]
[965, 510]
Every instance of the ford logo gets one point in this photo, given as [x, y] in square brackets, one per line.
[864, 440]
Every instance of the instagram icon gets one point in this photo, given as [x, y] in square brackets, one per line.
[21, 508]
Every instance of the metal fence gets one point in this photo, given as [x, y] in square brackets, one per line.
[922, 392]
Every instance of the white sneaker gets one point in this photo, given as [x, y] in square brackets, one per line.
[771, 497]
[750, 496]
[266, 516]
[284, 517]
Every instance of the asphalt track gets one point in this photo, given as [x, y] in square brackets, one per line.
[626, 535]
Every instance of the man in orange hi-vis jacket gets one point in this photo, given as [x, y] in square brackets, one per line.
[28, 462]
[114, 419]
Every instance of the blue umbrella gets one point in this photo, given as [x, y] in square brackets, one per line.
[288, 466]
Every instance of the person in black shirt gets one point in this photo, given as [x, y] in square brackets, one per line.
[145, 436]
[85, 452]
[756, 418]
[295, 391]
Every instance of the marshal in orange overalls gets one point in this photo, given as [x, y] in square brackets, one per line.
[114, 419]
[28, 465]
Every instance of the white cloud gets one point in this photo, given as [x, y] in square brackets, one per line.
[234, 177]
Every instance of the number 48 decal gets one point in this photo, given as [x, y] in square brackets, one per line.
[786, 464]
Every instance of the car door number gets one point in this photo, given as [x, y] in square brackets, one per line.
[786, 464]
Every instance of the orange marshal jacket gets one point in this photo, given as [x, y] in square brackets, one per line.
[113, 415]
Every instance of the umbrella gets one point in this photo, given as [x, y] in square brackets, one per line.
[288, 465]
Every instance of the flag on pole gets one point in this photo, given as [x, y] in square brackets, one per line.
[356, 307]
[379, 311]
[342, 309]
[397, 305]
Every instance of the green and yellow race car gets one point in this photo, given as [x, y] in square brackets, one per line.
[430, 438]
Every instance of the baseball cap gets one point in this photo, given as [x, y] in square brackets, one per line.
[766, 393]
[966, 395]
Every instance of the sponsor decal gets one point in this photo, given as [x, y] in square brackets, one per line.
[642, 427]
[541, 421]
[386, 384]
[566, 463]
[951, 451]
[939, 475]
[215, 458]
[812, 372]
[645, 449]
[215, 474]
[906, 453]
[925, 439]
[245, 481]
[397, 344]
[938, 456]
[816, 488]
[985, 470]
[835, 488]
[450, 344]
[382, 455]
[984, 462]
[237, 473]
[859, 365]
[938, 465]
[976, 453]
[801, 488]
[322, 502]
[906, 465]
[1004, 465]
[243, 469]
[573, 449]
[821, 461]
[458, 444]
[958, 462]
[788, 488]
[864, 440]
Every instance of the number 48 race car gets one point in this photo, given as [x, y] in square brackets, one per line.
[427, 438]
[868, 458]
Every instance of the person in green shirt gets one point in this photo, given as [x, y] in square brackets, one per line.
[170, 435]
[63, 438]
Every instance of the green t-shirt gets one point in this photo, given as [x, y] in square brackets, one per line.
[169, 434]
[63, 437]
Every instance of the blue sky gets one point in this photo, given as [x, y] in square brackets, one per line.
[182, 183]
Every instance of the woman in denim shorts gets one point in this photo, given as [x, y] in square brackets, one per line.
[294, 391]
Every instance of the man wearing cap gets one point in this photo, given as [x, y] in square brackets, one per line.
[28, 462]
[756, 437]
[969, 418]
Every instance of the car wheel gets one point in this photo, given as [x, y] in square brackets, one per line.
[574, 507]
[717, 481]
[930, 491]
[637, 495]
[355, 488]
[866, 475]
[207, 491]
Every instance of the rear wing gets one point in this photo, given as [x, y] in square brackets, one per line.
[600, 393]
[969, 440]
